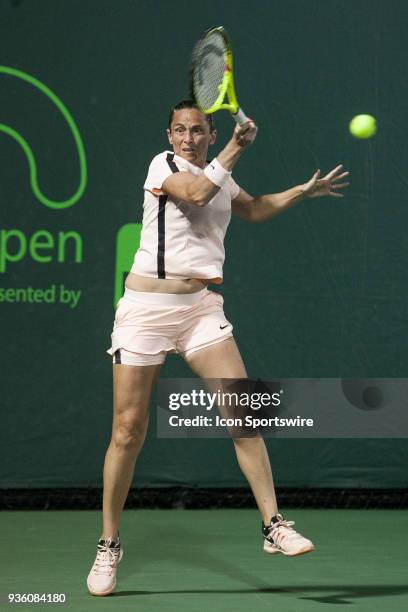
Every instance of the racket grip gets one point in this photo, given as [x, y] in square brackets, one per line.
[240, 117]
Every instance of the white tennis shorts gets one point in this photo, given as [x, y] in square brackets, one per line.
[148, 326]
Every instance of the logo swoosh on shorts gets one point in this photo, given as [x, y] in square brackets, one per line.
[224, 326]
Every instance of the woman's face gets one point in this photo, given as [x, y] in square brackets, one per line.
[190, 135]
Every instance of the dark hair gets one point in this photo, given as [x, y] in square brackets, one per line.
[190, 104]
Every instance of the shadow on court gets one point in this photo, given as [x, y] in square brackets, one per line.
[187, 546]
[334, 594]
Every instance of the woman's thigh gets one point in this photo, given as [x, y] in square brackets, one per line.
[220, 360]
[217, 364]
[132, 388]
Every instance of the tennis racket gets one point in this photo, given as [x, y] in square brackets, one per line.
[212, 75]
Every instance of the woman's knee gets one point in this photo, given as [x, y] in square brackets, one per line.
[250, 442]
[129, 432]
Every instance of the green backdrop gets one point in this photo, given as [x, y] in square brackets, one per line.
[318, 292]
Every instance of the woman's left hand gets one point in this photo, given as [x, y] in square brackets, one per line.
[326, 186]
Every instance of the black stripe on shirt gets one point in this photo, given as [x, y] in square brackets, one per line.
[161, 223]
[171, 162]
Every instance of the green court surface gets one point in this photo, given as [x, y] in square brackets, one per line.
[199, 561]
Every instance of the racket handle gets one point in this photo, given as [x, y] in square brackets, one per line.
[240, 117]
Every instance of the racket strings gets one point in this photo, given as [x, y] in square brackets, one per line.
[209, 68]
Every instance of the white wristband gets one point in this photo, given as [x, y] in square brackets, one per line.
[216, 173]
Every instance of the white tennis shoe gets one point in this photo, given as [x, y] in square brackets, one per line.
[102, 577]
[279, 536]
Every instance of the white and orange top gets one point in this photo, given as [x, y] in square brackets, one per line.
[180, 240]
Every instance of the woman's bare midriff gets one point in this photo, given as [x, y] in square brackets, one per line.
[164, 285]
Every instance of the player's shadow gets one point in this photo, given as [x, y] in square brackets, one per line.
[342, 594]
[196, 553]
[330, 594]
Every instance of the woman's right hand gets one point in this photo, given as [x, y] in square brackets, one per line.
[244, 135]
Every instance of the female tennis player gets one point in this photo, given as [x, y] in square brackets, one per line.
[167, 308]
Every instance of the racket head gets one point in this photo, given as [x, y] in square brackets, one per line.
[211, 76]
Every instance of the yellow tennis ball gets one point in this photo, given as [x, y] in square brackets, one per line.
[363, 126]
